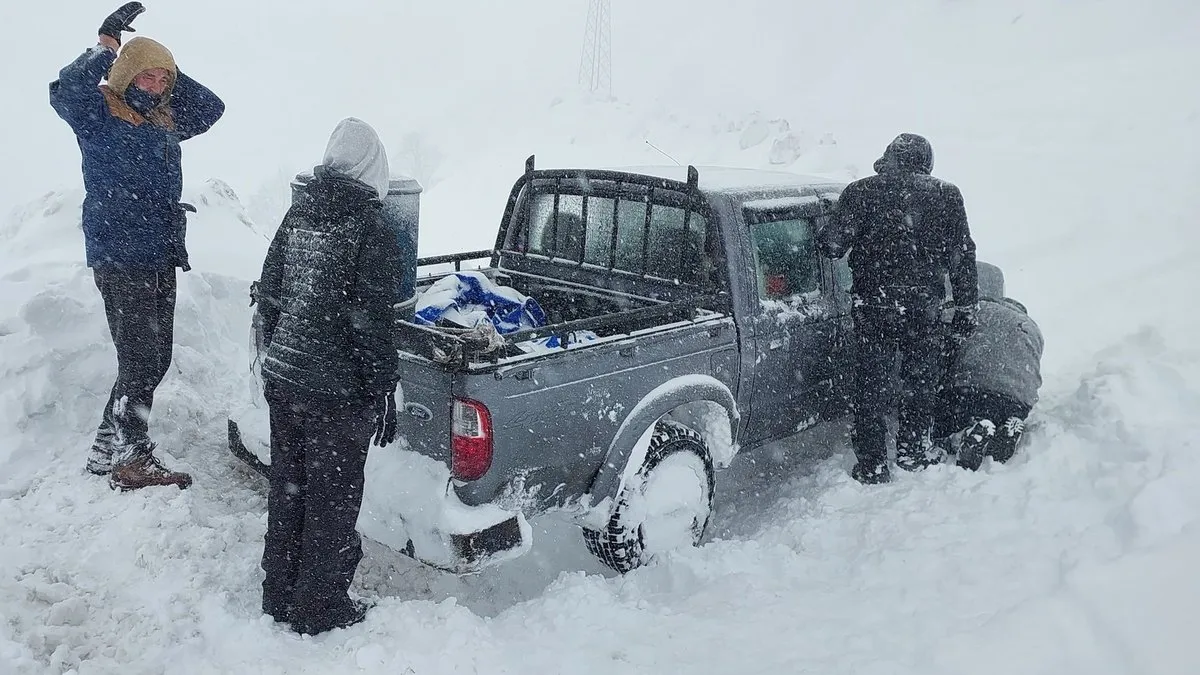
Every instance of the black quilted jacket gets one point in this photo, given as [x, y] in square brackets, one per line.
[327, 295]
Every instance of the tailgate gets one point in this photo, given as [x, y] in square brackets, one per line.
[428, 404]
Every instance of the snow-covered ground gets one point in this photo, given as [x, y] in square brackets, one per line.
[1072, 126]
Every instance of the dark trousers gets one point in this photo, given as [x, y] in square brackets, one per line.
[885, 333]
[959, 408]
[312, 548]
[140, 306]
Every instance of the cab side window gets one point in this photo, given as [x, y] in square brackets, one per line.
[785, 257]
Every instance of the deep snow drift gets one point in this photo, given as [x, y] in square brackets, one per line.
[1072, 128]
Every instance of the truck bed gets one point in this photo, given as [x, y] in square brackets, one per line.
[554, 413]
[571, 309]
[554, 409]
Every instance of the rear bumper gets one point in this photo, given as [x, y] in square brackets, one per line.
[409, 504]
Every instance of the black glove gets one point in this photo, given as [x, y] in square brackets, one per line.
[181, 254]
[964, 322]
[385, 419]
[119, 20]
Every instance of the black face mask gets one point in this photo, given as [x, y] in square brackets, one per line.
[141, 101]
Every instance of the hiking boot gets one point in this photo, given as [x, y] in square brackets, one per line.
[871, 473]
[352, 614]
[144, 470]
[974, 445]
[1013, 426]
[1004, 443]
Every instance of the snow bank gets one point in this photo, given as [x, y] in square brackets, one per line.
[1029, 567]
[57, 361]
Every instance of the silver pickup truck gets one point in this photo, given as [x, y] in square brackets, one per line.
[688, 316]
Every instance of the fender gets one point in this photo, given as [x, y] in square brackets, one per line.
[663, 399]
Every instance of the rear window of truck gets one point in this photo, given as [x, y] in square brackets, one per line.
[631, 233]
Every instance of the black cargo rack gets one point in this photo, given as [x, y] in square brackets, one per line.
[688, 190]
[687, 266]
[457, 258]
[691, 184]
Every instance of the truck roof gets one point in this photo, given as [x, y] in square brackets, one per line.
[732, 179]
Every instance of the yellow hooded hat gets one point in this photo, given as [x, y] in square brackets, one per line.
[139, 54]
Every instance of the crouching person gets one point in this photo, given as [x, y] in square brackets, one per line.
[327, 295]
[991, 383]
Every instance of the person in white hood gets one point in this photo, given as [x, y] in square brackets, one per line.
[326, 299]
[355, 151]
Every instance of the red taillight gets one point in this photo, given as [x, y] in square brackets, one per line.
[470, 439]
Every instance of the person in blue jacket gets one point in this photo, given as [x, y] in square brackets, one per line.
[129, 131]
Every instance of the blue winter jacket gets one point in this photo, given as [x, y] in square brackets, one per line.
[132, 217]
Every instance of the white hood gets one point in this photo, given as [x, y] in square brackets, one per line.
[355, 151]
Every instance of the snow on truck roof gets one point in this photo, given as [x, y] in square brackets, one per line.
[730, 179]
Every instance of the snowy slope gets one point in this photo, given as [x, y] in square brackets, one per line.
[1073, 128]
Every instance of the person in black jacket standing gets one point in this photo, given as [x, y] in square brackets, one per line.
[327, 295]
[905, 231]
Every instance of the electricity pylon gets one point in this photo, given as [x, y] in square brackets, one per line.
[595, 64]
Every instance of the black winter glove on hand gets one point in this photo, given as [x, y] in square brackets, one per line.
[385, 420]
[119, 20]
[963, 323]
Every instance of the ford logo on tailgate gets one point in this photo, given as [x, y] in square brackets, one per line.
[419, 411]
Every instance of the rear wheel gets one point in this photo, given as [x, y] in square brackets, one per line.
[666, 506]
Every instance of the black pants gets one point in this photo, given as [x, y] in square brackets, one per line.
[140, 306]
[312, 549]
[908, 330]
[959, 408]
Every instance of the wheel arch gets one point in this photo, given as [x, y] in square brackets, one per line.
[701, 402]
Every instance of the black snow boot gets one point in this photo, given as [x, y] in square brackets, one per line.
[1004, 443]
[916, 461]
[974, 445]
[871, 473]
[351, 614]
[918, 456]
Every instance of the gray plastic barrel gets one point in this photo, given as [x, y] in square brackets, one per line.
[402, 212]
